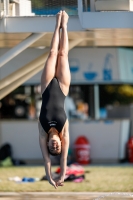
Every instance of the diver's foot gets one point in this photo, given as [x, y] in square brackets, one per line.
[58, 19]
[64, 19]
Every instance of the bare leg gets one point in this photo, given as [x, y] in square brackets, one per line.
[63, 71]
[50, 66]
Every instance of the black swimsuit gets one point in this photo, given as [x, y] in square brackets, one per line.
[52, 110]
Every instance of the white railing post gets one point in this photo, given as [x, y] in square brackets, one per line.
[6, 7]
[4, 4]
[80, 11]
[1, 8]
[131, 5]
[25, 8]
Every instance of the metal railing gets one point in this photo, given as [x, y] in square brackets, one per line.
[37, 7]
[51, 7]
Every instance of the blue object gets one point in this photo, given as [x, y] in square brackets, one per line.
[108, 121]
[25, 179]
[107, 74]
[74, 69]
[107, 68]
[51, 10]
[90, 75]
[103, 113]
[31, 180]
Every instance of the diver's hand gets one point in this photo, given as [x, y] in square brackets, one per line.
[59, 182]
[52, 182]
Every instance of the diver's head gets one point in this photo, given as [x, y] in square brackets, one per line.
[54, 142]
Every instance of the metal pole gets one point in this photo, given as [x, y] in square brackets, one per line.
[1, 8]
[4, 2]
[86, 6]
[131, 118]
[96, 101]
[19, 48]
[80, 11]
[24, 73]
[91, 102]
[6, 7]
[92, 5]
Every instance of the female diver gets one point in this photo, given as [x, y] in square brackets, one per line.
[55, 82]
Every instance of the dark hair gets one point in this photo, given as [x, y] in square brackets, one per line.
[53, 154]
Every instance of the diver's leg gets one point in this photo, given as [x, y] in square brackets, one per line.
[50, 65]
[62, 70]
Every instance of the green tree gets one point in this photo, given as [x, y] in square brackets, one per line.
[38, 3]
[121, 93]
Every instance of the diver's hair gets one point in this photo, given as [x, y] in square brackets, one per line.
[53, 154]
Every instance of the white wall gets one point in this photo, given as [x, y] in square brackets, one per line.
[106, 138]
[23, 137]
[87, 65]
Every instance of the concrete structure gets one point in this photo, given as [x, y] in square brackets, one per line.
[65, 195]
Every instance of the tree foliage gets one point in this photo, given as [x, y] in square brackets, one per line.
[121, 93]
[38, 3]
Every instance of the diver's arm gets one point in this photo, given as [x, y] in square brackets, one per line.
[64, 153]
[47, 162]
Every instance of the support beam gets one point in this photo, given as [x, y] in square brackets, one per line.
[38, 66]
[30, 66]
[35, 24]
[74, 43]
[19, 81]
[23, 71]
[96, 20]
[19, 48]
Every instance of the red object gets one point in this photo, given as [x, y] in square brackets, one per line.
[73, 169]
[82, 150]
[130, 150]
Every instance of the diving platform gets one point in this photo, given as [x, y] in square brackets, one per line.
[22, 28]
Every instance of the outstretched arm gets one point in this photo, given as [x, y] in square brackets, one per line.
[47, 162]
[64, 153]
[63, 161]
